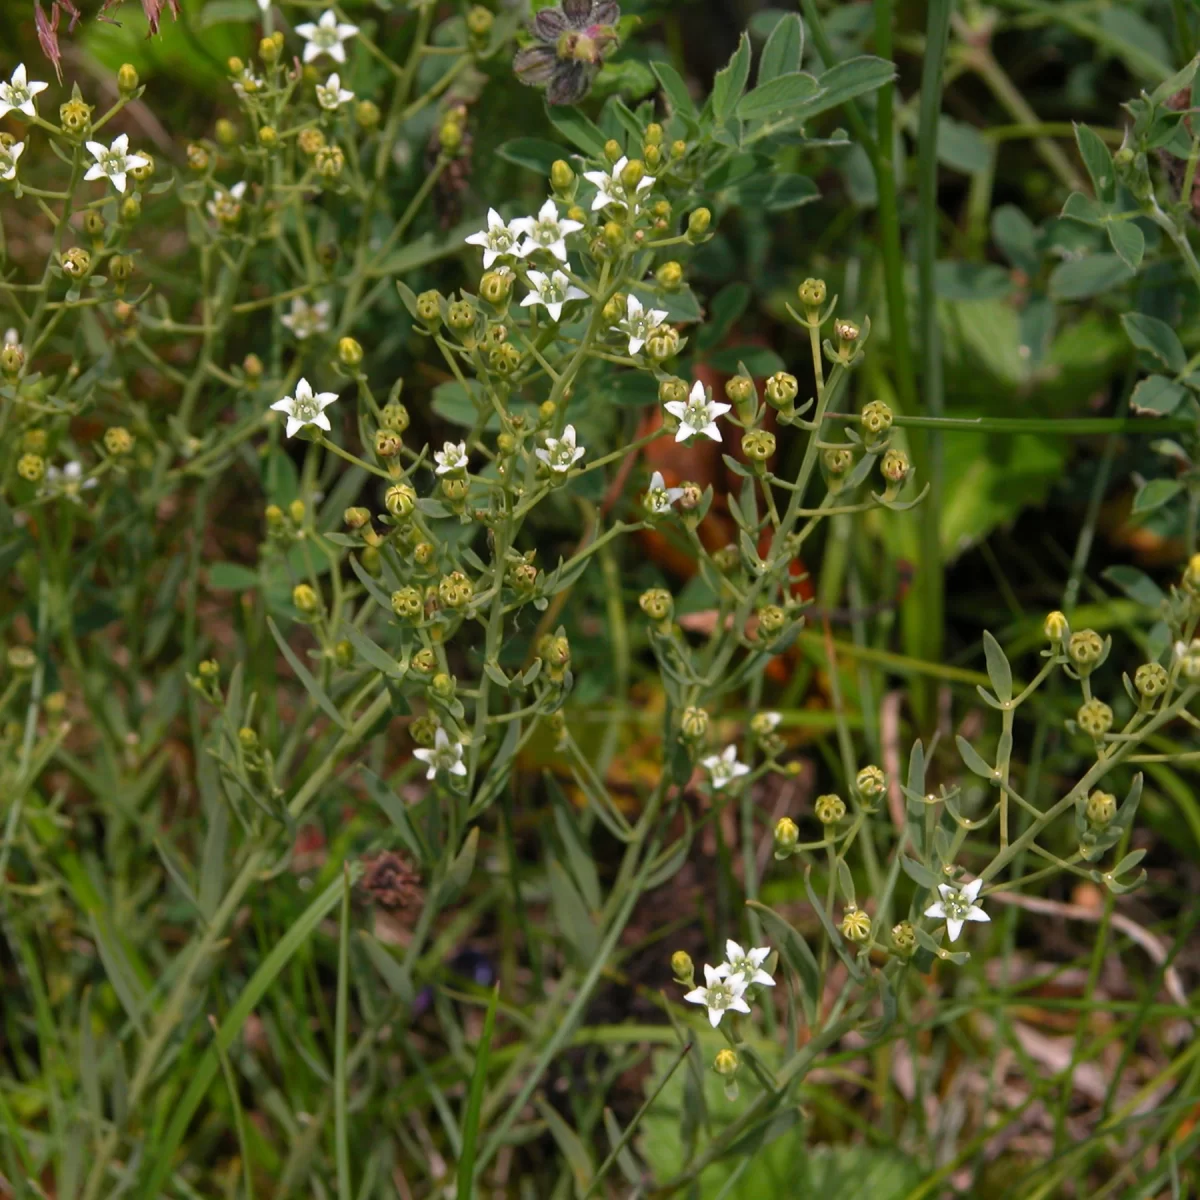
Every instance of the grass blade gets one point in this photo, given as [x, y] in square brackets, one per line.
[239, 1117]
[471, 1114]
[341, 1136]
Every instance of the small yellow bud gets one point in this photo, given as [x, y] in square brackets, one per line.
[305, 599]
[127, 81]
[350, 353]
[787, 836]
[698, 224]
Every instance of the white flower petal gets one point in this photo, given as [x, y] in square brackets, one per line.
[936, 910]
[975, 913]
[953, 928]
[971, 890]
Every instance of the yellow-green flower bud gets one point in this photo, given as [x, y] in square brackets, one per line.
[209, 669]
[856, 925]
[895, 467]
[248, 739]
[296, 511]
[693, 723]
[268, 137]
[678, 148]
[400, 500]
[1101, 808]
[496, 287]
[726, 1063]
[1150, 679]
[740, 390]
[461, 316]
[31, 468]
[632, 174]
[273, 515]
[423, 731]
[350, 353]
[234, 65]
[683, 968]
[812, 293]
[830, 809]
[34, 441]
[367, 114]
[131, 209]
[758, 445]
[614, 308]
[424, 553]
[388, 443]
[504, 359]
[523, 577]
[120, 267]
[455, 489]
[310, 140]
[656, 603]
[118, 440]
[876, 419]
[771, 619]
[904, 938]
[787, 837]
[76, 262]
[562, 178]
[252, 365]
[612, 150]
[343, 654]
[672, 390]
[424, 662]
[455, 590]
[356, 518]
[698, 224]
[670, 275]
[12, 360]
[1095, 717]
[329, 161]
[305, 599]
[546, 412]
[654, 134]
[1055, 628]
[443, 686]
[75, 117]
[1191, 574]
[268, 50]
[870, 783]
[781, 390]
[127, 80]
[93, 224]
[662, 342]
[1085, 649]
[394, 416]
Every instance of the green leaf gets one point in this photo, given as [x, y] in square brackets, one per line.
[790, 191]
[973, 759]
[854, 77]
[473, 1109]
[962, 147]
[1082, 278]
[454, 403]
[1155, 337]
[1158, 395]
[784, 49]
[1098, 161]
[577, 129]
[999, 672]
[1128, 241]
[397, 812]
[797, 953]
[957, 280]
[376, 656]
[1016, 235]
[835, 938]
[314, 689]
[1137, 585]
[676, 91]
[232, 577]
[1084, 209]
[784, 94]
[571, 1146]
[574, 921]
[535, 153]
[1155, 494]
[730, 82]
[460, 869]
[919, 873]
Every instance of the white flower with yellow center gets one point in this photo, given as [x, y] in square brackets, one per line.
[113, 162]
[451, 457]
[18, 93]
[561, 453]
[659, 497]
[553, 291]
[307, 319]
[957, 906]
[331, 95]
[8, 160]
[497, 240]
[444, 756]
[697, 414]
[638, 322]
[306, 407]
[326, 37]
[610, 189]
[724, 768]
[722, 993]
[748, 963]
[546, 231]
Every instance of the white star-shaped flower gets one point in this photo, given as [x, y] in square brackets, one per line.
[721, 993]
[638, 321]
[113, 162]
[610, 189]
[747, 963]
[331, 94]
[70, 479]
[724, 768]
[451, 457]
[561, 453]
[552, 290]
[306, 407]
[226, 203]
[697, 414]
[8, 160]
[1188, 657]
[957, 906]
[659, 497]
[325, 37]
[444, 756]
[18, 92]
[546, 231]
[247, 82]
[307, 319]
[497, 239]
[767, 722]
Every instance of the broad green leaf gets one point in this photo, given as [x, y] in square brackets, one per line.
[785, 94]
[535, 153]
[1082, 278]
[730, 82]
[999, 672]
[1158, 395]
[676, 91]
[1098, 161]
[1084, 209]
[577, 129]
[1155, 337]
[854, 77]
[1154, 494]
[957, 280]
[1128, 241]
[962, 147]
[784, 49]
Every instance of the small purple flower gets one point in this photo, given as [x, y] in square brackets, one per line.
[571, 42]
